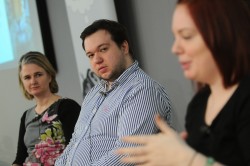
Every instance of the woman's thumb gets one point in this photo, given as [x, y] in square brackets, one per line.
[162, 125]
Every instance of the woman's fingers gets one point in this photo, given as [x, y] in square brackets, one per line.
[162, 125]
[138, 160]
[131, 151]
[144, 139]
[137, 139]
[135, 155]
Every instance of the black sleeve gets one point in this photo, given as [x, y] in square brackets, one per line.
[243, 121]
[21, 148]
[68, 112]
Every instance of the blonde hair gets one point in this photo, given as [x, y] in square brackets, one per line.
[39, 59]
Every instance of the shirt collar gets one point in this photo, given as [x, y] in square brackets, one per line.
[123, 77]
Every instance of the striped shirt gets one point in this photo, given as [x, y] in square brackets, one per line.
[128, 108]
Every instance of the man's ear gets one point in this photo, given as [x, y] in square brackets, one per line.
[125, 47]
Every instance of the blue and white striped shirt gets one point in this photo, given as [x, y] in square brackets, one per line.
[128, 108]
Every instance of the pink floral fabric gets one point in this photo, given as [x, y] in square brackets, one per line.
[52, 141]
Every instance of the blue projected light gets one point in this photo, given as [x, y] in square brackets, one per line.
[19, 31]
[6, 51]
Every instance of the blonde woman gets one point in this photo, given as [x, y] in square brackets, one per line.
[47, 127]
